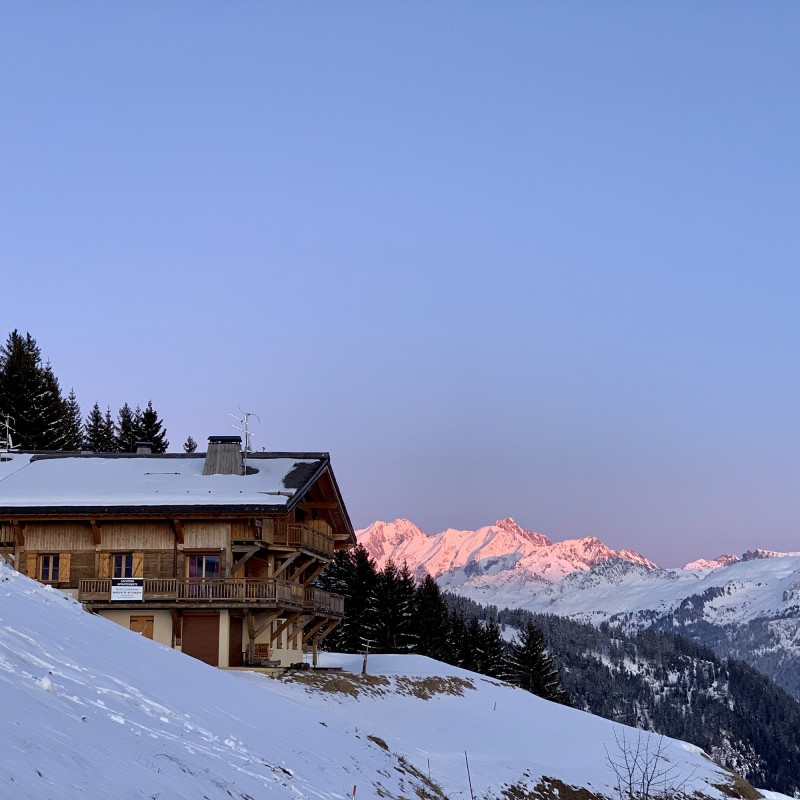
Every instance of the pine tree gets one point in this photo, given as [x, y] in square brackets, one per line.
[126, 436]
[339, 577]
[30, 394]
[493, 662]
[109, 433]
[99, 429]
[73, 424]
[533, 669]
[394, 601]
[190, 445]
[431, 621]
[460, 652]
[151, 429]
[51, 411]
[353, 575]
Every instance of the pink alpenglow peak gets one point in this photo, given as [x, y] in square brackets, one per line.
[497, 554]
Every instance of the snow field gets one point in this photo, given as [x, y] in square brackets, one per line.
[91, 710]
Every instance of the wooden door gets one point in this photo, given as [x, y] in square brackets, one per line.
[235, 646]
[201, 637]
[143, 625]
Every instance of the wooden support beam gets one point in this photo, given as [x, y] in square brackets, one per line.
[96, 534]
[307, 582]
[264, 625]
[177, 529]
[251, 551]
[298, 629]
[334, 623]
[298, 570]
[251, 637]
[318, 504]
[314, 629]
[283, 626]
[19, 532]
[176, 625]
[286, 563]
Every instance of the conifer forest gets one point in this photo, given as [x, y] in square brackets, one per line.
[40, 417]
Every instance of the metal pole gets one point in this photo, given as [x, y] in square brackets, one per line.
[469, 777]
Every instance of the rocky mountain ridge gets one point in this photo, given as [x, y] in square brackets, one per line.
[503, 551]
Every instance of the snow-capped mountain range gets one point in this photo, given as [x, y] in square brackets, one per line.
[746, 606]
[501, 552]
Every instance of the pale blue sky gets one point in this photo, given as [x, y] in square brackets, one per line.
[527, 259]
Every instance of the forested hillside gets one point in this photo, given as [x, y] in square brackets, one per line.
[665, 683]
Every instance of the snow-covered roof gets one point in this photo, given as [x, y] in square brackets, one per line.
[171, 482]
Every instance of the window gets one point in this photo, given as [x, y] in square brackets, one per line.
[122, 565]
[204, 566]
[48, 568]
[203, 569]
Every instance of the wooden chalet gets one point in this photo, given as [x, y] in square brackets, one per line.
[212, 553]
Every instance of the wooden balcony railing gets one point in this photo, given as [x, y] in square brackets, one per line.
[272, 592]
[296, 534]
[318, 601]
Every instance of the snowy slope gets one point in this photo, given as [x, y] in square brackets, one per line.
[503, 553]
[92, 710]
[747, 590]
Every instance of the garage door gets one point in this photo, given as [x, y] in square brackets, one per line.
[201, 637]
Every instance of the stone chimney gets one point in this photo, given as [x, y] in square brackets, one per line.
[224, 456]
[143, 448]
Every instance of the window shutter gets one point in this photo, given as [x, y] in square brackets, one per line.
[104, 570]
[138, 565]
[30, 564]
[63, 567]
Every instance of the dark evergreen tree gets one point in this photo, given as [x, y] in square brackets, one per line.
[531, 667]
[126, 435]
[30, 395]
[339, 577]
[353, 574]
[51, 410]
[99, 430]
[493, 660]
[471, 656]
[73, 423]
[460, 654]
[151, 429]
[190, 445]
[394, 607]
[109, 432]
[431, 621]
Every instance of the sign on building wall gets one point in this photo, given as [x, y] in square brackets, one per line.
[127, 589]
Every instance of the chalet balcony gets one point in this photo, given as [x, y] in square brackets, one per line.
[270, 593]
[300, 535]
[322, 603]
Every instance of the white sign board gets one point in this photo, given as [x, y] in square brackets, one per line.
[128, 589]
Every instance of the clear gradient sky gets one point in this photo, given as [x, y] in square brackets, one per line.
[522, 258]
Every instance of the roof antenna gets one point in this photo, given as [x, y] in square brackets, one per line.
[7, 444]
[245, 429]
